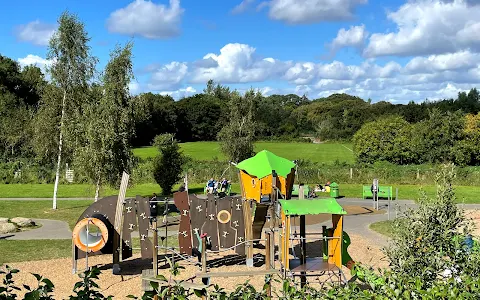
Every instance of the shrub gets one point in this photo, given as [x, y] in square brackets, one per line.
[167, 166]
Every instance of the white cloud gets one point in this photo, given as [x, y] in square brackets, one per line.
[242, 6]
[134, 88]
[311, 11]
[420, 78]
[462, 60]
[428, 27]
[168, 76]
[36, 32]
[353, 37]
[35, 60]
[180, 93]
[237, 63]
[147, 19]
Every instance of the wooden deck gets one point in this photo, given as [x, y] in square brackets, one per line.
[315, 264]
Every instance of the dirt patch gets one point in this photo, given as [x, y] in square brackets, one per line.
[474, 216]
[60, 270]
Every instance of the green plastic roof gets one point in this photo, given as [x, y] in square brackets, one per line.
[264, 162]
[312, 207]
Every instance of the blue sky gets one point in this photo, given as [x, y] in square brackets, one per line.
[384, 50]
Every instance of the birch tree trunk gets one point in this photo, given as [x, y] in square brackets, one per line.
[97, 190]
[59, 159]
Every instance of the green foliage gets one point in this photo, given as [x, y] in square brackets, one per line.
[106, 152]
[236, 138]
[428, 240]
[8, 289]
[381, 140]
[442, 137]
[168, 165]
[87, 288]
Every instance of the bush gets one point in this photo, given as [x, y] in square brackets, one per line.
[429, 239]
[167, 166]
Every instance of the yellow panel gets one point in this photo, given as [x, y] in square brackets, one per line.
[335, 245]
[266, 185]
[251, 186]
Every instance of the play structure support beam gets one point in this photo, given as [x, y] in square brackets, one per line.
[155, 246]
[247, 213]
[268, 263]
[273, 216]
[117, 236]
[303, 257]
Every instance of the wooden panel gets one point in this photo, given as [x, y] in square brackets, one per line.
[211, 223]
[225, 231]
[184, 231]
[129, 225]
[335, 245]
[289, 184]
[198, 216]
[143, 214]
[259, 220]
[238, 224]
[118, 244]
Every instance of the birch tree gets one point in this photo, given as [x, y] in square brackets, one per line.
[237, 137]
[108, 127]
[72, 69]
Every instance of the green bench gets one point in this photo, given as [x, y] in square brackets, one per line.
[296, 187]
[383, 192]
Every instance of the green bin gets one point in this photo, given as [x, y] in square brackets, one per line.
[334, 192]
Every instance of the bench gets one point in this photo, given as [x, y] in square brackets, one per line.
[227, 191]
[296, 187]
[383, 192]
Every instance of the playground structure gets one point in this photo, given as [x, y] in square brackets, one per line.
[212, 225]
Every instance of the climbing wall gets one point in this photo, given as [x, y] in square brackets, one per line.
[143, 212]
[184, 231]
[221, 219]
[198, 211]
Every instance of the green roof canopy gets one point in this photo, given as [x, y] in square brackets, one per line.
[264, 162]
[312, 207]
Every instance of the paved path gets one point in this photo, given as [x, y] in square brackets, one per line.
[50, 230]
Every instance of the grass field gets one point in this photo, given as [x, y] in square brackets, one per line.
[382, 227]
[314, 152]
[469, 194]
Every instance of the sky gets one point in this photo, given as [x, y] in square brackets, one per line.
[383, 50]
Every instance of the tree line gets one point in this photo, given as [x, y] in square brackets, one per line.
[441, 137]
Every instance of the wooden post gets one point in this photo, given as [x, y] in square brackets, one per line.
[303, 257]
[351, 173]
[268, 262]
[117, 236]
[155, 246]
[273, 216]
[204, 254]
[247, 213]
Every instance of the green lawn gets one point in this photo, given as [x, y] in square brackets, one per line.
[469, 194]
[68, 210]
[33, 250]
[314, 152]
[47, 249]
[382, 227]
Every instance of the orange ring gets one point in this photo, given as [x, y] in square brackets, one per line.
[92, 247]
